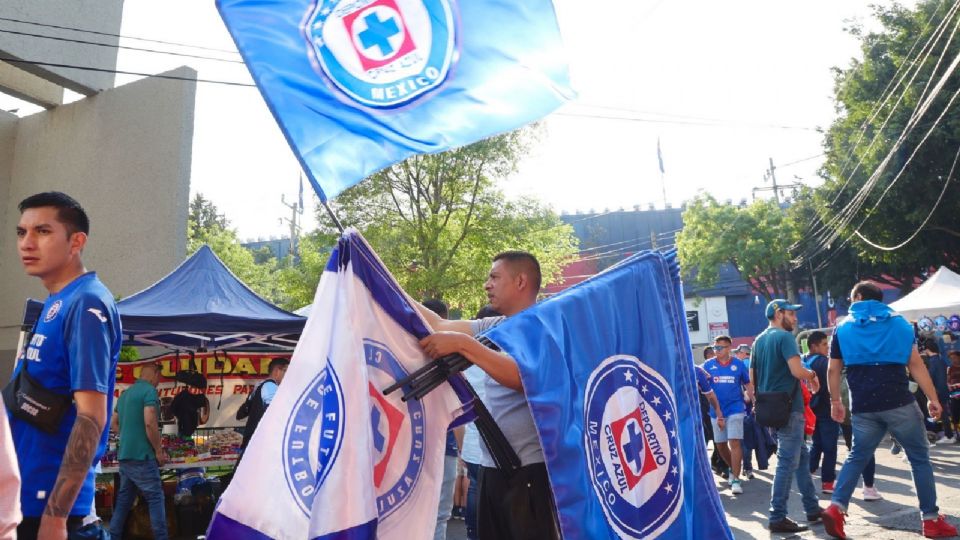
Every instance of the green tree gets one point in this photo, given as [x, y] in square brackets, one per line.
[867, 129]
[207, 226]
[755, 239]
[437, 220]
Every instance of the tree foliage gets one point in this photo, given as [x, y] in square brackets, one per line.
[755, 239]
[207, 226]
[437, 220]
[867, 128]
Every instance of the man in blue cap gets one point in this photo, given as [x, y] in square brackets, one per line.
[775, 366]
[877, 347]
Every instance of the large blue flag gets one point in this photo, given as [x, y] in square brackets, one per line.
[357, 85]
[608, 372]
[333, 458]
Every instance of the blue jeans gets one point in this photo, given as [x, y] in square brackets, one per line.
[906, 425]
[446, 497]
[473, 492]
[870, 471]
[825, 437]
[793, 460]
[145, 476]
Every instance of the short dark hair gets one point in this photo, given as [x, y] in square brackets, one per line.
[931, 345]
[706, 353]
[487, 311]
[277, 362]
[436, 306]
[69, 211]
[815, 338]
[723, 338]
[526, 261]
[867, 290]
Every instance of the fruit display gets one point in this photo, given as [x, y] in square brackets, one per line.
[224, 443]
[178, 449]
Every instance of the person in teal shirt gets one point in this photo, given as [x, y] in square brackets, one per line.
[140, 453]
[775, 366]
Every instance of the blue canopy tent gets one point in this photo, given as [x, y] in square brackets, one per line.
[202, 305]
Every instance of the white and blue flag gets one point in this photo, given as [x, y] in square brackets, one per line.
[357, 85]
[333, 458]
[608, 373]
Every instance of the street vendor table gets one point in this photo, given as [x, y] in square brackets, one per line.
[206, 464]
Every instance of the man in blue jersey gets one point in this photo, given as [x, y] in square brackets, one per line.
[877, 347]
[730, 379]
[72, 352]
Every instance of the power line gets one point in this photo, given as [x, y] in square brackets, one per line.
[119, 72]
[108, 34]
[679, 122]
[125, 47]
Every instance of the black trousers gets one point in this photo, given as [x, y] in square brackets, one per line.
[518, 508]
[30, 526]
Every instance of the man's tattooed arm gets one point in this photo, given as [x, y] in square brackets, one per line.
[80, 452]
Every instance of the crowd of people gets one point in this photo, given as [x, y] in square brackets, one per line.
[870, 379]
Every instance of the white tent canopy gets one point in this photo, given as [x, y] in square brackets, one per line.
[938, 295]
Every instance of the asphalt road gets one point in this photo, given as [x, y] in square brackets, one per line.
[896, 517]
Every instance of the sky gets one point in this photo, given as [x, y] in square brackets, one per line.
[724, 86]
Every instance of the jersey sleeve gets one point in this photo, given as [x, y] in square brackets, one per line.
[744, 373]
[703, 380]
[150, 398]
[88, 337]
[268, 391]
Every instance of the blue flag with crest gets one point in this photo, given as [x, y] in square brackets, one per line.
[607, 370]
[357, 85]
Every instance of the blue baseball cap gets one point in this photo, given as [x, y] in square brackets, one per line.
[780, 303]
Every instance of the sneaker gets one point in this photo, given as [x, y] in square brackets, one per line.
[725, 474]
[735, 487]
[938, 528]
[787, 525]
[748, 475]
[896, 448]
[945, 440]
[815, 517]
[871, 494]
[827, 487]
[833, 521]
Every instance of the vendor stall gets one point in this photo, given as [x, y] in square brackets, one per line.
[938, 295]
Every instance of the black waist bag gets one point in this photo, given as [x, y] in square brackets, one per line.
[28, 400]
[772, 409]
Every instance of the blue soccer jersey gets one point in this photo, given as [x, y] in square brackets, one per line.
[75, 346]
[728, 381]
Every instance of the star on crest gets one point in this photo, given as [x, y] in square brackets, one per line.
[656, 400]
[669, 488]
[644, 389]
[628, 376]
[668, 416]
[674, 470]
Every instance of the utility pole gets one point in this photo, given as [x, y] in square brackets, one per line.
[770, 175]
[653, 239]
[296, 210]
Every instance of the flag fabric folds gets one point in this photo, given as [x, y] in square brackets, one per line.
[359, 85]
[608, 373]
[333, 457]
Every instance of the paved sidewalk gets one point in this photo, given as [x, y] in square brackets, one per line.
[895, 517]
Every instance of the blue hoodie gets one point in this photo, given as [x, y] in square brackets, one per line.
[874, 334]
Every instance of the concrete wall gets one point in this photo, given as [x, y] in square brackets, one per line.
[99, 15]
[125, 155]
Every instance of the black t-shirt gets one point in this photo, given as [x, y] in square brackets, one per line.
[874, 388]
[186, 408]
[819, 402]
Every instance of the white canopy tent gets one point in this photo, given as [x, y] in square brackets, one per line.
[938, 295]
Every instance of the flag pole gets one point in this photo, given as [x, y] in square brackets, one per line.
[333, 217]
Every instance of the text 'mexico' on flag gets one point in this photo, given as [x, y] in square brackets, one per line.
[359, 85]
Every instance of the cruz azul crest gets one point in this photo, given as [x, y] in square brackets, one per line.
[382, 53]
[632, 448]
[314, 433]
